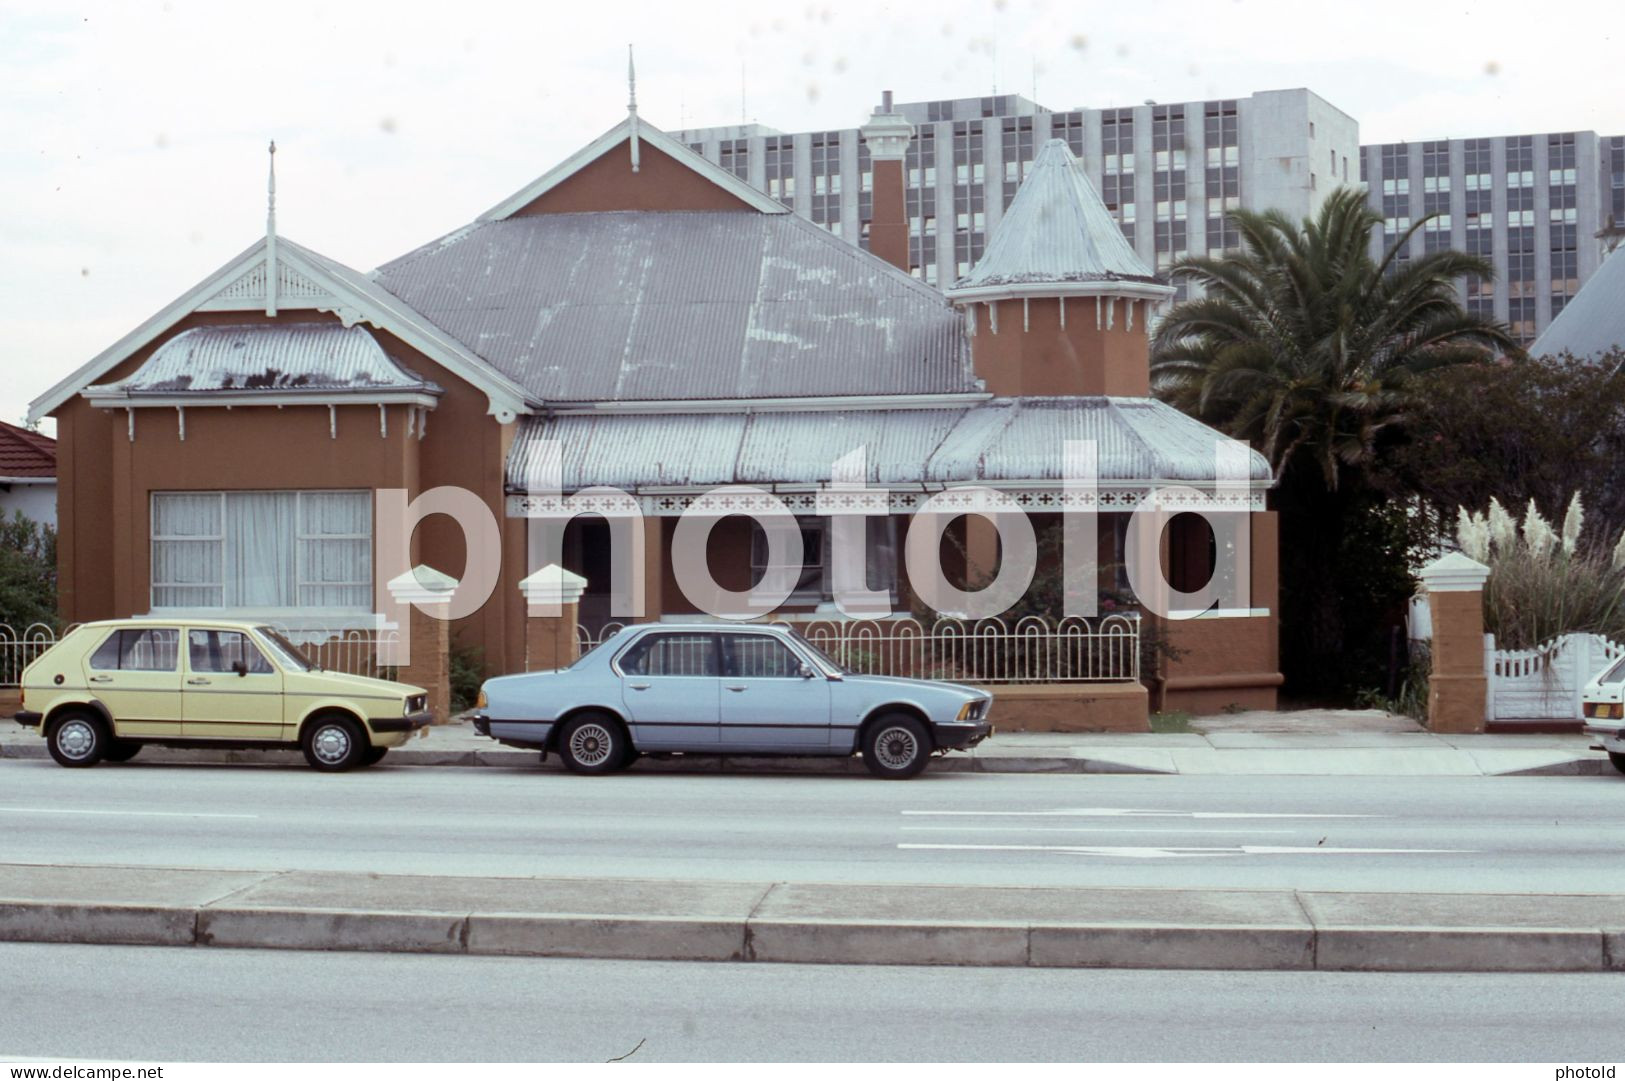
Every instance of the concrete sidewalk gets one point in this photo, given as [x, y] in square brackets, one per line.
[814, 923]
[1309, 743]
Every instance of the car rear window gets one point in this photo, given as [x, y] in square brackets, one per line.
[671, 655]
[148, 649]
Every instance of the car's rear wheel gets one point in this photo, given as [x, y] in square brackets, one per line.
[121, 750]
[77, 739]
[1618, 759]
[334, 744]
[374, 756]
[594, 743]
[896, 747]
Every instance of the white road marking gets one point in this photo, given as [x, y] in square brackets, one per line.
[1123, 812]
[1145, 853]
[119, 814]
[1130, 831]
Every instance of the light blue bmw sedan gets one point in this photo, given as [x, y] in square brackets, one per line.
[707, 688]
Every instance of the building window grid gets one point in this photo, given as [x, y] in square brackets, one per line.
[825, 176]
[779, 167]
[1117, 156]
[920, 200]
[1395, 165]
[734, 156]
[1016, 140]
[1221, 139]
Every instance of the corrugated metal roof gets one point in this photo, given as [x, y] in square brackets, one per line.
[1056, 231]
[999, 440]
[1593, 322]
[26, 454]
[683, 305]
[269, 357]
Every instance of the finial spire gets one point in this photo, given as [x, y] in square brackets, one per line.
[632, 104]
[270, 237]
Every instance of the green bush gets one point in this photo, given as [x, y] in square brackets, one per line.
[467, 671]
[27, 573]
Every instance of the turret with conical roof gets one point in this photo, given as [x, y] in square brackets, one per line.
[1059, 302]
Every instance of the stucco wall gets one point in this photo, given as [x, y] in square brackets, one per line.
[36, 501]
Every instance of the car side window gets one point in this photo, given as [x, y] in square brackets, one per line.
[760, 656]
[671, 655]
[148, 649]
[222, 651]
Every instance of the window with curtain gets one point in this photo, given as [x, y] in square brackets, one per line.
[308, 550]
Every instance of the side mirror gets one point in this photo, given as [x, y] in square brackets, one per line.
[805, 671]
[240, 667]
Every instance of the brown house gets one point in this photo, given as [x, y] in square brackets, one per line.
[642, 320]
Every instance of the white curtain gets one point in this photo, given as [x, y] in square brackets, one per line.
[186, 532]
[336, 537]
[262, 550]
[261, 571]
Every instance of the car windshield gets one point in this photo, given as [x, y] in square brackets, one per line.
[290, 655]
[830, 664]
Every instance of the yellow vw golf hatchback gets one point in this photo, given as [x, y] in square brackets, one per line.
[109, 688]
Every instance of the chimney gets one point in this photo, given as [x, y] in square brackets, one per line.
[887, 135]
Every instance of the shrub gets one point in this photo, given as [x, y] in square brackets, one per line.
[27, 573]
[1544, 581]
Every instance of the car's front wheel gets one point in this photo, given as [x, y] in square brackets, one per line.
[896, 747]
[77, 739]
[594, 743]
[1618, 759]
[334, 744]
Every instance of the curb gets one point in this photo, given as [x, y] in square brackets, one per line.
[826, 941]
[507, 758]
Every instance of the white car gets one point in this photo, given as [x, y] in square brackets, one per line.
[1603, 702]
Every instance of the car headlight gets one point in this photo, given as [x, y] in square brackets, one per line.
[414, 703]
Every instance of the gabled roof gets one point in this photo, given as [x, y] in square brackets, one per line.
[305, 281]
[1593, 322]
[1000, 440]
[26, 454]
[266, 358]
[617, 136]
[641, 306]
[1057, 238]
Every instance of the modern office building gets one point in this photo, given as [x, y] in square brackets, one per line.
[1540, 206]
[1168, 173]
[1533, 204]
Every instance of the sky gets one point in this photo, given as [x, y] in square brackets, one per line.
[133, 134]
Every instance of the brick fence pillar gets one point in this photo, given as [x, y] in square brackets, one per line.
[426, 595]
[1458, 685]
[551, 598]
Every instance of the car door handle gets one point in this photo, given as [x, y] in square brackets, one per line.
[735, 686]
[198, 681]
[101, 679]
[638, 686]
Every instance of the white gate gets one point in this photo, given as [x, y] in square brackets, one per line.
[1544, 683]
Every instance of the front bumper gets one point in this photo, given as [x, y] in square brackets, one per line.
[409, 723]
[960, 735]
[28, 718]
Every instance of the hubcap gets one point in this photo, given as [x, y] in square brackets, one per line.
[76, 739]
[591, 744]
[331, 744]
[896, 748]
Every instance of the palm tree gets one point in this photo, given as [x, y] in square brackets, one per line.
[1305, 346]
[1310, 349]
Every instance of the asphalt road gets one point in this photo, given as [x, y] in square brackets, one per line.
[150, 1004]
[1484, 834]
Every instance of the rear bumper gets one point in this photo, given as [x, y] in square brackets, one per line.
[1612, 736]
[28, 718]
[409, 723]
[961, 736]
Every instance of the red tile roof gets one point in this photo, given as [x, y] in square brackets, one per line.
[26, 454]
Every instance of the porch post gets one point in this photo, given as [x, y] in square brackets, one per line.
[654, 570]
[551, 598]
[426, 595]
[1458, 686]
